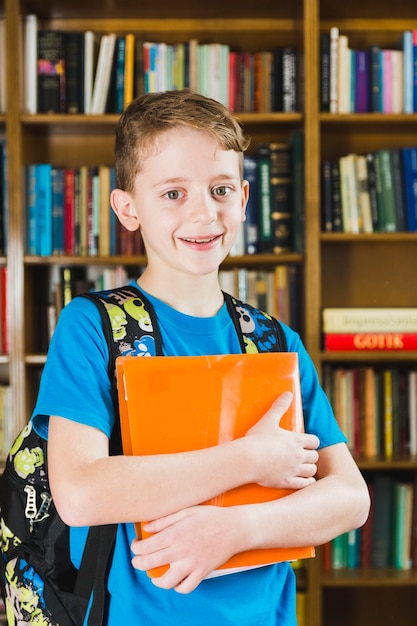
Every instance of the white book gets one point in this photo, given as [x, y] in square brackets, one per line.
[90, 53]
[103, 74]
[370, 319]
[334, 73]
[30, 41]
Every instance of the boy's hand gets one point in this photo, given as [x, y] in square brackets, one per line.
[282, 458]
[194, 542]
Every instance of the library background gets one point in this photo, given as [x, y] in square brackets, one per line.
[326, 91]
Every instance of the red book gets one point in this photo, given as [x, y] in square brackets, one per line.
[69, 217]
[370, 341]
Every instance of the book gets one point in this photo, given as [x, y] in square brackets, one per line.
[361, 72]
[74, 72]
[251, 224]
[369, 319]
[325, 72]
[407, 46]
[30, 35]
[298, 188]
[103, 74]
[326, 197]
[281, 197]
[409, 161]
[334, 72]
[264, 198]
[242, 388]
[128, 91]
[370, 341]
[51, 71]
[382, 520]
[91, 47]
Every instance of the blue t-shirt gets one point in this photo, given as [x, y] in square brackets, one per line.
[75, 385]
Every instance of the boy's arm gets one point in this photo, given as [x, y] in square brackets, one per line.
[198, 540]
[90, 487]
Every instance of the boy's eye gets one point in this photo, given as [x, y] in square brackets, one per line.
[222, 191]
[174, 194]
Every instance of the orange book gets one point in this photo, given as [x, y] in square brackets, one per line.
[179, 404]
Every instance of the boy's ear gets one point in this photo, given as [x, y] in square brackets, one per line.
[123, 205]
[245, 198]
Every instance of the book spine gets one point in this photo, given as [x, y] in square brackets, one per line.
[414, 71]
[370, 341]
[281, 206]
[334, 47]
[31, 243]
[264, 190]
[325, 72]
[74, 72]
[361, 81]
[375, 320]
[251, 224]
[51, 71]
[44, 208]
[409, 160]
[408, 71]
[57, 176]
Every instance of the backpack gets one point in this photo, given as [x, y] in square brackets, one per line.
[39, 583]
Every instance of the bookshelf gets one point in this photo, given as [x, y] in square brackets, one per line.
[338, 269]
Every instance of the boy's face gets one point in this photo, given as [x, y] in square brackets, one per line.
[189, 201]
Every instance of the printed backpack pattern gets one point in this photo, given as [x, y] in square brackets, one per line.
[39, 583]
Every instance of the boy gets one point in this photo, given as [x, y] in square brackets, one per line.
[179, 169]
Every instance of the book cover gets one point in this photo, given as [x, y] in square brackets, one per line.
[369, 319]
[51, 71]
[242, 388]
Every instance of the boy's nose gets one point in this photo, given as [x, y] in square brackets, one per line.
[203, 208]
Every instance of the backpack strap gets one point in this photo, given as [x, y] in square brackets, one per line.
[257, 331]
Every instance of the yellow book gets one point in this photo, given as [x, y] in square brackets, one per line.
[129, 68]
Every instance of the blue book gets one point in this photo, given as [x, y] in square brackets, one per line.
[361, 72]
[31, 243]
[409, 156]
[414, 32]
[120, 73]
[43, 209]
[251, 225]
[408, 71]
[57, 178]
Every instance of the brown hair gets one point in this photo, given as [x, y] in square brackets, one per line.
[149, 115]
